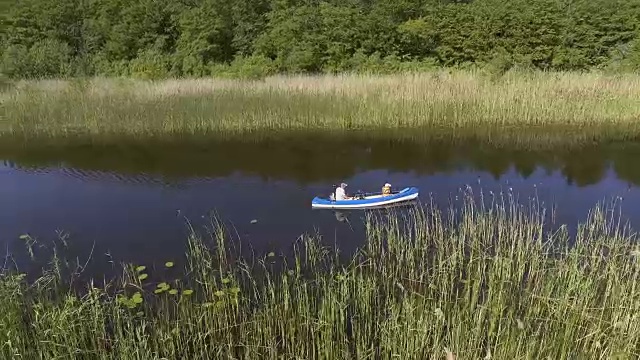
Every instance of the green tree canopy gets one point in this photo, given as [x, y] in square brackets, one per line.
[42, 38]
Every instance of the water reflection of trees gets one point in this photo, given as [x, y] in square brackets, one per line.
[307, 160]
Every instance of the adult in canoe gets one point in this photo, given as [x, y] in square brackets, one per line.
[341, 193]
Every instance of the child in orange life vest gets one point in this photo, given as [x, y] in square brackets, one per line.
[386, 189]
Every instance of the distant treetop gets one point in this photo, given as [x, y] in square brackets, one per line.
[254, 38]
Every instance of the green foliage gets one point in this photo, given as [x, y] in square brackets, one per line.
[391, 64]
[633, 57]
[419, 37]
[249, 68]
[205, 37]
[249, 22]
[162, 38]
[293, 38]
[149, 65]
[44, 59]
[627, 57]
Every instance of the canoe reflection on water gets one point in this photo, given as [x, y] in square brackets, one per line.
[343, 215]
[340, 216]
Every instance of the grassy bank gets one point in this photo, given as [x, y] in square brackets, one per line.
[494, 283]
[535, 108]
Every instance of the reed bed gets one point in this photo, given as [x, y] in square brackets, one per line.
[486, 280]
[536, 106]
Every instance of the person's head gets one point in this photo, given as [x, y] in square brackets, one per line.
[343, 185]
[387, 185]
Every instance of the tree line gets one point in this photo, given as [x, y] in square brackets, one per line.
[253, 38]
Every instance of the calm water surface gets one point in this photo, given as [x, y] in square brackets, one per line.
[131, 202]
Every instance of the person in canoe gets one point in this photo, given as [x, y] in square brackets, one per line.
[386, 189]
[341, 192]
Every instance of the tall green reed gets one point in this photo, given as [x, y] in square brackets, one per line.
[488, 278]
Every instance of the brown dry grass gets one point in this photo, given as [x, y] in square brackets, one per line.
[454, 100]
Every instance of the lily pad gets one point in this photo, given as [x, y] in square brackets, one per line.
[187, 292]
[143, 276]
[137, 298]
[168, 264]
[173, 291]
[140, 268]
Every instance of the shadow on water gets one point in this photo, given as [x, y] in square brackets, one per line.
[310, 159]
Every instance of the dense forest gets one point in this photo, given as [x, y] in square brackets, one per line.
[192, 38]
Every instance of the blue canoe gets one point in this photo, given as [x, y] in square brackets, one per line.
[368, 201]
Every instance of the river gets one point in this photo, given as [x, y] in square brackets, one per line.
[132, 202]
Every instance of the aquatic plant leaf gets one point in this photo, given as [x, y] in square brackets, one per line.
[159, 291]
[140, 313]
[140, 268]
[226, 280]
[219, 293]
[143, 276]
[168, 264]
[173, 291]
[235, 290]
[187, 292]
[254, 221]
[24, 237]
[271, 254]
[162, 285]
[121, 299]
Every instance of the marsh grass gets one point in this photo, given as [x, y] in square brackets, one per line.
[524, 107]
[488, 279]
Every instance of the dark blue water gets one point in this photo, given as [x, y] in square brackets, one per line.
[134, 202]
